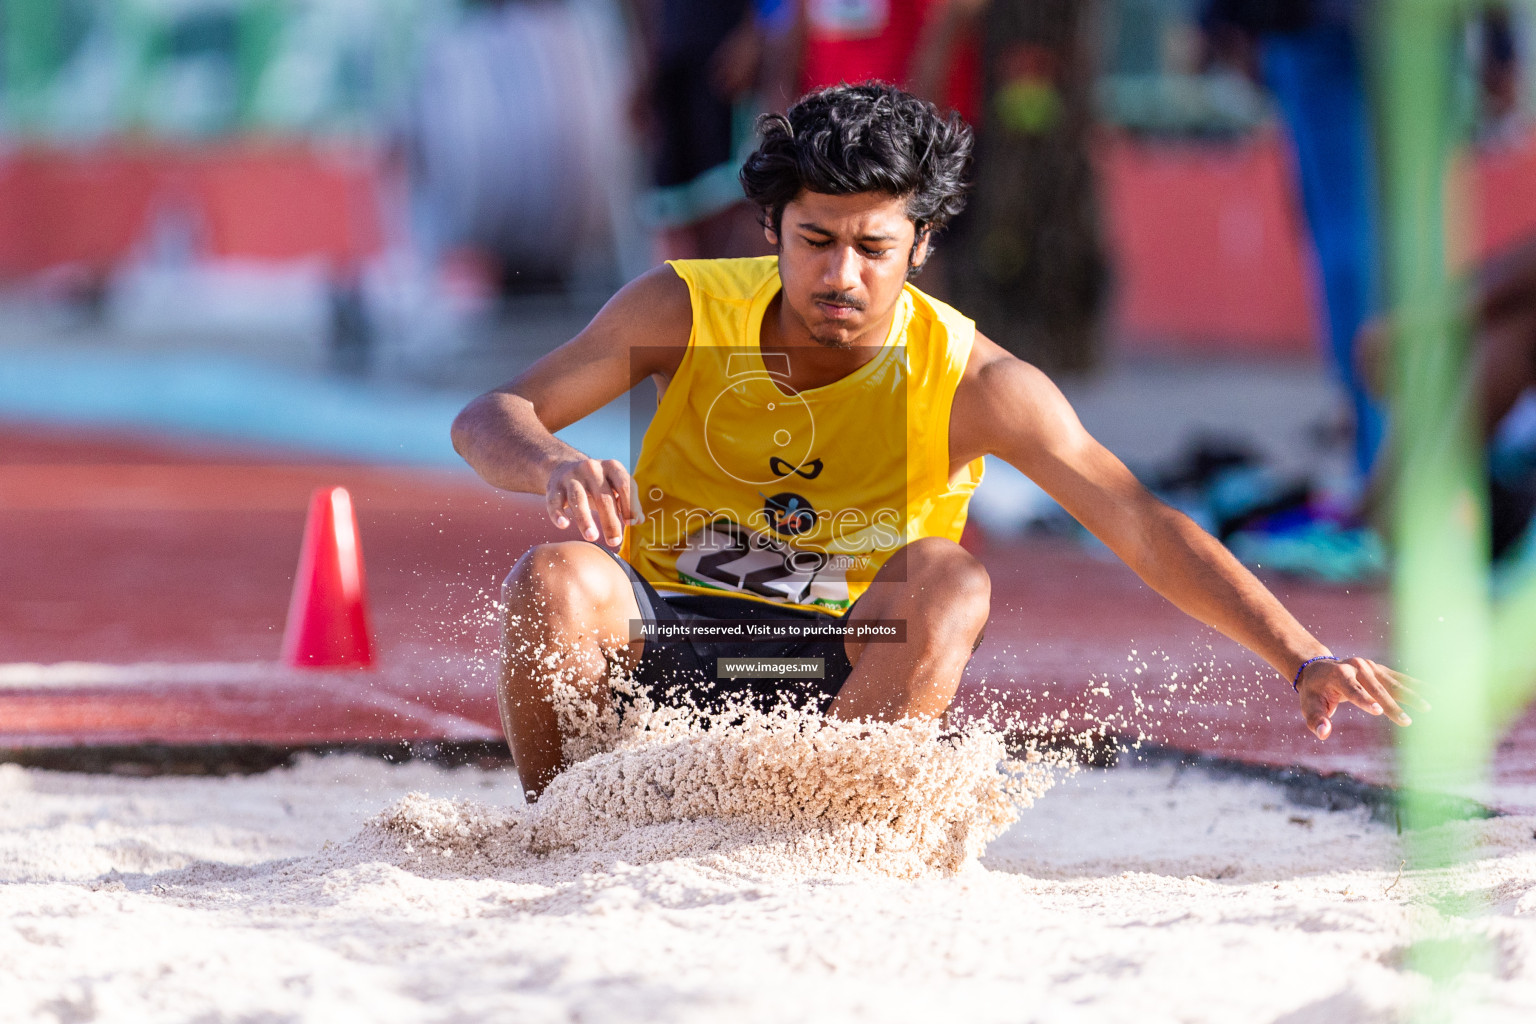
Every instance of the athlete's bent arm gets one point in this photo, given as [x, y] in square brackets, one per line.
[1008, 408]
[507, 434]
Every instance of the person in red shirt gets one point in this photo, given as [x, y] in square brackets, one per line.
[885, 40]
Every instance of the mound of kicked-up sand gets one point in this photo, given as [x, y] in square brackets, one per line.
[778, 792]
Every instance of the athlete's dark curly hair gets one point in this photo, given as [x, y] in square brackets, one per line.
[862, 138]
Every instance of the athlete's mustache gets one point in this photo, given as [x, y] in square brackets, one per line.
[839, 299]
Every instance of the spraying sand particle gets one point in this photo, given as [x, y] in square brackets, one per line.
[785, 791]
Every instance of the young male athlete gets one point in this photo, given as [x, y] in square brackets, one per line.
[819, 432]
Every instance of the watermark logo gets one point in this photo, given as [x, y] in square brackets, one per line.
[748, 491]
[758, 413]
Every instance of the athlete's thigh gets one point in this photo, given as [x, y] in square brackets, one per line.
[896, 591]
[879, 601]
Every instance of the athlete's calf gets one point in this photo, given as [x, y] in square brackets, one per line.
[568, 608]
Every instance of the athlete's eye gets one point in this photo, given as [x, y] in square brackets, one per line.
[876, 254]
[818, 243]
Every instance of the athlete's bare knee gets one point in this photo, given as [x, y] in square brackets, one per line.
[561, 573]
[949, 587]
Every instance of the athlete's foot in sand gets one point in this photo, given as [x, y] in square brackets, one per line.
[568, 608]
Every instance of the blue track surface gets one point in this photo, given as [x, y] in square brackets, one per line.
[224, 398]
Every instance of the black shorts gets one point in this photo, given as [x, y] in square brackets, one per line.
[684, 673]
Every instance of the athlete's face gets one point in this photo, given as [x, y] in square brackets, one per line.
[843, 261]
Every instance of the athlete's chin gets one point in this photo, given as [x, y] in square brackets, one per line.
[835, 333]
[832, 339]
[832, 332]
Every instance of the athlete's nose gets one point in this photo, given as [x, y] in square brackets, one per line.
[842, 269]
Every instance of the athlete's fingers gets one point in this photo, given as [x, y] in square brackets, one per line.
[580, 508]
[1375, 685]
[595, 476]
[1354, 691]
[554, 504]
[608, 517]
[1317, 709]
[1404, 688]
[622, 487]
[1360, 691]
[558, 496]
[1409, 698]
[637, 509]
[589, 474]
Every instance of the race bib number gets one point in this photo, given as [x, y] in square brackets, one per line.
[727, 556]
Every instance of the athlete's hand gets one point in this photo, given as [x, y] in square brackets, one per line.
[1372, 687]
[596, 497]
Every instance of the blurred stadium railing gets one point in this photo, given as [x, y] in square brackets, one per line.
[245, 161]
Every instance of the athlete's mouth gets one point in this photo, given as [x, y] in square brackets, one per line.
[838, 307]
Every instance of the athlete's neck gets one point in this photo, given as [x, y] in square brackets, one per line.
[813, 364]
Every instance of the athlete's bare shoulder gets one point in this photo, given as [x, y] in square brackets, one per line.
[1005, 406]
[642, 331]
[995, 376]
[648, 321]
[986, 354]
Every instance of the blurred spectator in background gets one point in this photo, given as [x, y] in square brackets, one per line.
[919, 45]
[923, 46]
[1307, 52]
[711, 65]
[702, 66]
[1499, 72]
[1028, 259]
[1502, 311]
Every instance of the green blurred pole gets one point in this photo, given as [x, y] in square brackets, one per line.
[1476, 662]
[1443, 614]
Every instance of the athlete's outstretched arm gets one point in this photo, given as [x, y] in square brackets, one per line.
[1008, 408]
[507, 435]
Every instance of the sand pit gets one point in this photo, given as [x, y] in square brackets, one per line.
[647, 887]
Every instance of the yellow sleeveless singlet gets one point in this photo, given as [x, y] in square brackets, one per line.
[753, 490]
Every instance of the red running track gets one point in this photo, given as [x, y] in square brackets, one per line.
[143, 585]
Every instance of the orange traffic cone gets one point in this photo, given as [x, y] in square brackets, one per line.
[328, 616]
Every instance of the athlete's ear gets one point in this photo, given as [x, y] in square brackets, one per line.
[770, 234]
[920, 247]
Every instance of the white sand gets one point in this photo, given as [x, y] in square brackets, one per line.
[829, 885]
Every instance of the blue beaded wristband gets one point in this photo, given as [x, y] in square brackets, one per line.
[1296, 683]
